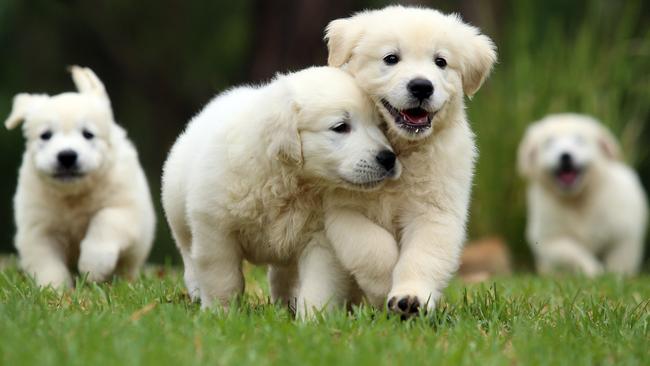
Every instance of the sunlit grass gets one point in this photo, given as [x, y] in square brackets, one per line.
[519, 320]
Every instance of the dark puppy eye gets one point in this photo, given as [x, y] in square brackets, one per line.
[87, 134]
[46, 135]
[391, 59]
[342, 127]
[440, 62]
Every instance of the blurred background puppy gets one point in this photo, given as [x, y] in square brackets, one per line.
[586, 208]
[82, 197]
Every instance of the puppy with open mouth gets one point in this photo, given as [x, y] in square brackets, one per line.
[417, 65]
[586, 209]
[82, 199]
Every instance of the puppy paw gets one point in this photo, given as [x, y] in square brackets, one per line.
[405, 306]
[57, 278]
[410, 303]
[98, 264]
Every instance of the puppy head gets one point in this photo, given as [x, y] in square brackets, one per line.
[328, 128]
[67, 134]
[562, 150]
[415, 63]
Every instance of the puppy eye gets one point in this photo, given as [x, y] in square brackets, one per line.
[342, 127]
[87, 134]
[440, 62]
[46, 135]
[391, 59]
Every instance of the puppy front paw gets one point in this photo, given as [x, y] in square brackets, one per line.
[57, 278]
[408, 303]
[406, 306]
[98, 264]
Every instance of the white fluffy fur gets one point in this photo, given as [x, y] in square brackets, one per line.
[415, 224]
[597, 223]
[246, 178]
[101, 217]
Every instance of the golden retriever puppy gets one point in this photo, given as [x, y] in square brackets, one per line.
[586, 209]
[416, 64]
[82, 199]
[246, 179]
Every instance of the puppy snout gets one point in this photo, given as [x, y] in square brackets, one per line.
[67, 158]
[386, 159]
[420, 88]
[566, 160]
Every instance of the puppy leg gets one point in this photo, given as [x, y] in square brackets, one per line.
[109, 234]
[323, 281]
[429, 257]
[565, 253]
[626, 257]
[43, 258]
[189, 276]
[217, 264]
[283, 281]
[365, 249]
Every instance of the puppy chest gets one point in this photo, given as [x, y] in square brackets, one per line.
[279, 236]
[591, 230]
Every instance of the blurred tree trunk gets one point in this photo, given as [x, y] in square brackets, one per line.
[288, 34]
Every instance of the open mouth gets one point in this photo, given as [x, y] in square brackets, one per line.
[568, 176]
[414, 120]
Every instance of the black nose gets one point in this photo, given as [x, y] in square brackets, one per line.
[386, 159]
[566, 159]
[67, 158]
[420, 88]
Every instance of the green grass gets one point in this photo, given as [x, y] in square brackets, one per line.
[518, 320]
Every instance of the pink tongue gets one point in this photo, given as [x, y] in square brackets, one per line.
[415, 118]
[567, 178]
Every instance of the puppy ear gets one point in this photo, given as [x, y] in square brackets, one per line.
[527, 153]
[342, 36]
[23, 102]
[284, 142]
[480, 56]
[608, 144]
[86, 81]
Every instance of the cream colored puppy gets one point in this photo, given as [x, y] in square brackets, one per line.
[416, 64]
[82, 197]
[586, 208]
[246, 178]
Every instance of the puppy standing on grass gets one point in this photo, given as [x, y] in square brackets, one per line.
[416, 64]
[246, 179]
[82, 198]
[587, 210]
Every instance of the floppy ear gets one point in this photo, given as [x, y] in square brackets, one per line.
[608, 144]
[479, 58]
[342, 36]
[526, 154]
[87, 82]
[23, 102]
[284, 141]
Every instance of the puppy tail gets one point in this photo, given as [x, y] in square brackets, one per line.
[86, 81]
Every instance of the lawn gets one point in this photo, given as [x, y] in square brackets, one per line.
[517, 320]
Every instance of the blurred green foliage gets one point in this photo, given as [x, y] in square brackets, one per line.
[162, 61]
